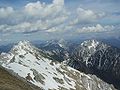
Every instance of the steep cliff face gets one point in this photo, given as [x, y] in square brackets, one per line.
[25, 59]
[96, 57]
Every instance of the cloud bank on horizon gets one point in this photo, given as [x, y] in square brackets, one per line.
[48, 19]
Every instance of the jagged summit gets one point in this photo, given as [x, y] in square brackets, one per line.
[99, 58]
[92, 43]
[57, 49]
[47, 74]
[22, 47]
[23, 44]
[89, 47]
[57, 43]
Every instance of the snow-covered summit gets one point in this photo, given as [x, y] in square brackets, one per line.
[89, 47]
[22, 45]
[99, 58]
[21, 49]
[90, 43]
[85, 50]
[47, 74]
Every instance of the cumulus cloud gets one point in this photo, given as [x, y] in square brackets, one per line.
[33, 17]
[52, 17]
[86, 14]
[97, 28]
[43, 10]
[83, 15]
[5, 12]
[58, 2]
[34, 8]
[32, 12]
[32, 26]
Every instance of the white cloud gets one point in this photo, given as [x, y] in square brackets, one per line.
[44, 10]
[83, 15]
[51, 30]
[46, 26]
[32, 12]
[22, 27]
[34, 8]
[97, 28]
[53, 17]
[58, 2]
[33, 26]
[5, 12]
[86, 14]
[35, 16]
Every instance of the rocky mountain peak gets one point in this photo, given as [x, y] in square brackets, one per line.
[23, 44]
[99, 58]
[22, 47]
[48, 74]
[90, 43]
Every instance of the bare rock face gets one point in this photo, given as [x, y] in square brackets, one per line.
[46, 74]
[98, 58]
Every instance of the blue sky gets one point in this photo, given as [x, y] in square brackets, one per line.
[54, 19]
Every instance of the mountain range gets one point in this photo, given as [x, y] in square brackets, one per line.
[46, 73]
[97, 58]
[90, 56]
